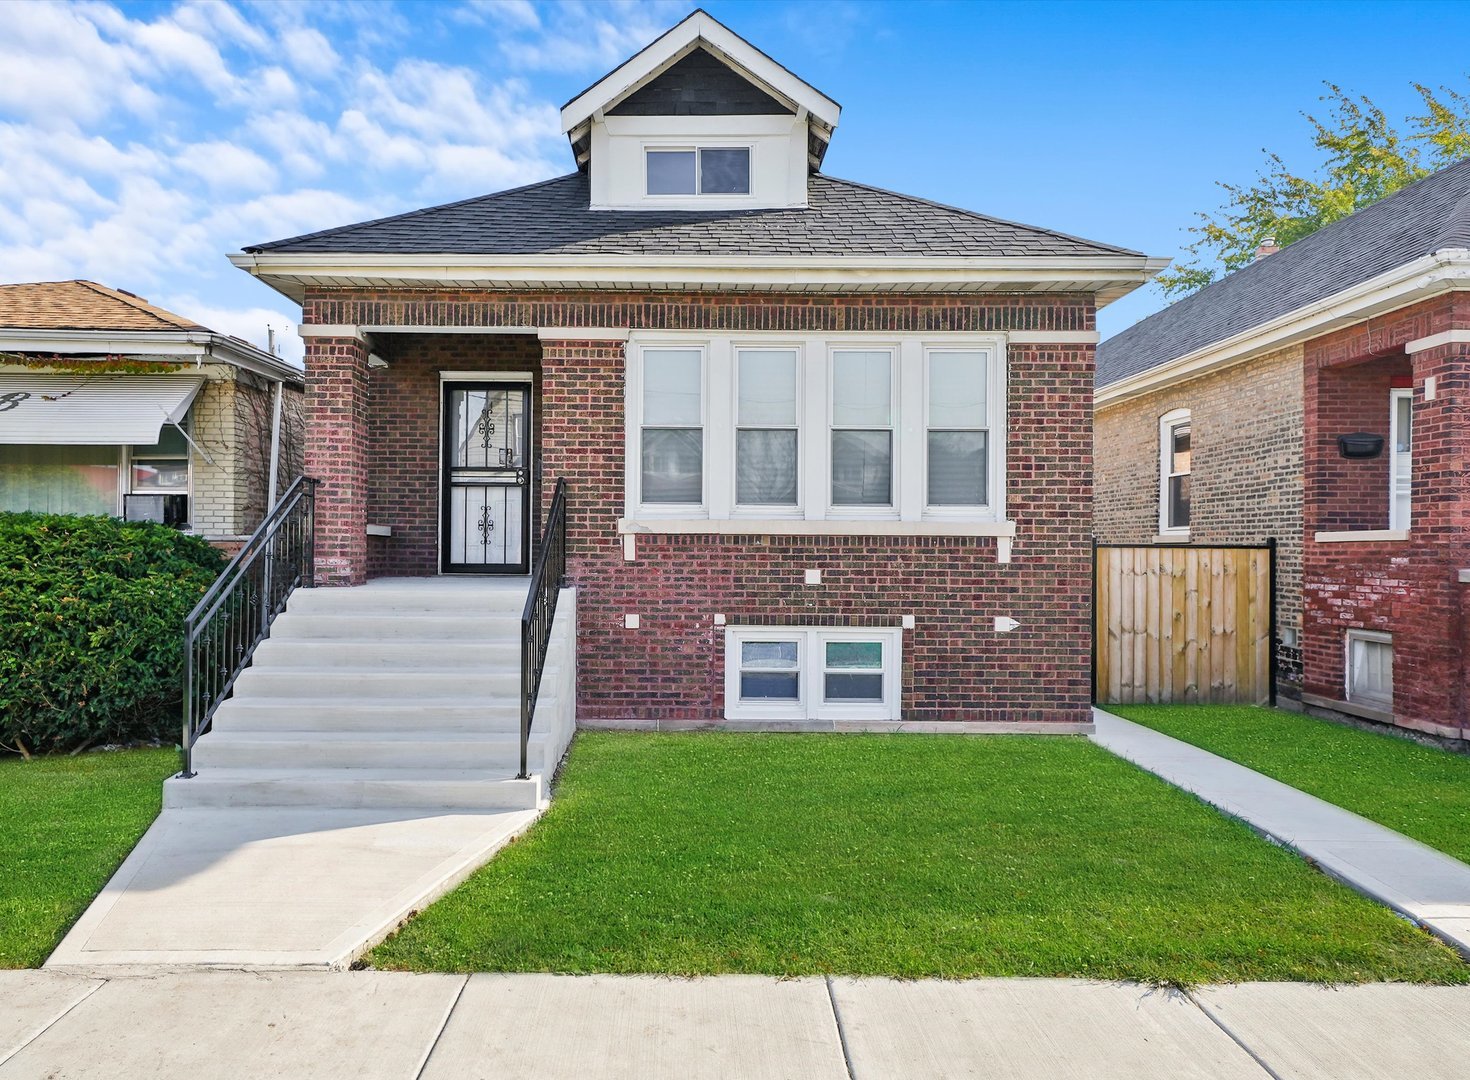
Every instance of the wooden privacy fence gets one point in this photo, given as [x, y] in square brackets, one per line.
[1184, 624]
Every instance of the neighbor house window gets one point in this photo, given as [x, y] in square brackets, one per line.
[672, 437]
[812, 673]
[704, 170]
[159, 480]
[1400, 479]
[862, 427]
[1370, 668]
[958, 427]
[767, 419]
[51, 479]
[1174, 470]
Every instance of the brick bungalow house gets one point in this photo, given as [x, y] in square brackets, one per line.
[112, 405]
[828, 447]
[1318, 396]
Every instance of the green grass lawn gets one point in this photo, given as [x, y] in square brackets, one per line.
[900, 855]
[65, 825]
[1421, 791]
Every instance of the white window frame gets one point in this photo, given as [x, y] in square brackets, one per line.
[1167, 424]
[1377, 637]
[908, 515]
[767, 510]
[811, 665]
[1396, 521]
[995, 388]
[699, 192]
[891, 509]
[633, 406]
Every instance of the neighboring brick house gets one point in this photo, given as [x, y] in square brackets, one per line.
[1238, 398]
[828, 447]
[111, 405]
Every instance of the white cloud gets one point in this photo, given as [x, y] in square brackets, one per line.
[518, 14]
[579, 35]
[309, 51]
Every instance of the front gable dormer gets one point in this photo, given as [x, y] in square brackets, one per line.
[699, 120]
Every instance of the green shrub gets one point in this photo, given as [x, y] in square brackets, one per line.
[91, 610]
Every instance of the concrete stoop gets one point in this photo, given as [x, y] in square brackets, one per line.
[396, 694]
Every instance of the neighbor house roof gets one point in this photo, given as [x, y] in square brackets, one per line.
[1428, 216]
[842, 219]
[82, 305]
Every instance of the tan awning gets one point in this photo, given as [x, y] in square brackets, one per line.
[92, 409]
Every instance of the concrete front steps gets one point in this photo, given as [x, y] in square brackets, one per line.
[399, 694]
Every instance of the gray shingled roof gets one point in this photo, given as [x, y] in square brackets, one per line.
[553, 218]
[1427, 216]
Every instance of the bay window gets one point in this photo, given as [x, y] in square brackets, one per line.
[794, 430]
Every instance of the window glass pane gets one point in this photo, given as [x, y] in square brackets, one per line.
[724, 170]
[957, 393]
[671, 172]
[673, 465]
[1403, 406]
[671, 379]
[861, 389]
[170, 474]
[854, 687]
[779, 655]
[1179, 459]
[767, 388]
[862, 468]
[1179, 501]
[957, 468]
[855, 654]
[765, 467]
[171, 443]
[59, 479]
[770, 685]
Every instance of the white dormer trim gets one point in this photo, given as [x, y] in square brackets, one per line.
[698, 28]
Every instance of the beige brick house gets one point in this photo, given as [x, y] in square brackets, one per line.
[111, 405]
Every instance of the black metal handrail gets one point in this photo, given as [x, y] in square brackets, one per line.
[235, 615]
[547, 577]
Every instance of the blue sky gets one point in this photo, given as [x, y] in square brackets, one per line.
[140, 142]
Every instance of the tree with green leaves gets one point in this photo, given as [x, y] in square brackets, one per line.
[1364, 157]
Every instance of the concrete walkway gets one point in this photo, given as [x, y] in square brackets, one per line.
[387, 1026]
[1418, 882]
[251, 887]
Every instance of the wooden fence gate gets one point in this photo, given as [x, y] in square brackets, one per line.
[1184, 624]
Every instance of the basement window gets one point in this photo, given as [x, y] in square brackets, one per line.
[704, 170]
[812, 673]
[1370, 668]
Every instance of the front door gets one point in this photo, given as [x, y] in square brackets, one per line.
[486, 487]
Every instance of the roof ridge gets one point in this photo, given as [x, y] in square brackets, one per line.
[339, 229]
[977, 214]
[138, 303]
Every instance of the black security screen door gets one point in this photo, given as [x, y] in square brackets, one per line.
[487, 479]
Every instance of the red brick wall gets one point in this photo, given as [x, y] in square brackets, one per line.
[956, 665]
[403, 436]
[337, 455]
[1407, 588]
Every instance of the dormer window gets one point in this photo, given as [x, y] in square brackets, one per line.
[703, 170]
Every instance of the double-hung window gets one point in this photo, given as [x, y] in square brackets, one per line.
[1401, 476]
[672, 435]
[862, 427]
[812, 673]
[767, 419]
[958, 428]
[1174, 471]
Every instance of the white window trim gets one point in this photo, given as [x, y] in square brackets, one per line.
[768, 510]
[811, 666]
[814, 514]
[995, 391]
[874, 512]
[1353, 635]
[1167, 423]
[1394, 397]
[703, 198]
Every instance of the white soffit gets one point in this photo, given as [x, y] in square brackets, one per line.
[92, 409]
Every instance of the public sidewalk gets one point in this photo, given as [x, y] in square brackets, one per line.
[202, 1025]
[1418, 882]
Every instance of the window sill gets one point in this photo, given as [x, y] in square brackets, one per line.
[1361, 536]
[742, 526]
[1172, 538]
[1351, 708]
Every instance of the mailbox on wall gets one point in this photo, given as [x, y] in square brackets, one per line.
[1360, 444]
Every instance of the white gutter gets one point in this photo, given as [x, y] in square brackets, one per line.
[194, 345]
[1424, 277]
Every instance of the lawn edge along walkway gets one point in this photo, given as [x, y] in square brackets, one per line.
[1422, 884]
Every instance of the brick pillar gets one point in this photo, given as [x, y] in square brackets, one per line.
[337, 455]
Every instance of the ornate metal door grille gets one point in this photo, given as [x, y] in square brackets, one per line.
[486, 485]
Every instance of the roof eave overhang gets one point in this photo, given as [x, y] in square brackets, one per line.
[199, 346]
[1106, 276]
[1411, 283]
